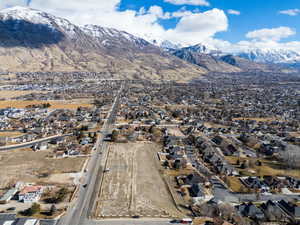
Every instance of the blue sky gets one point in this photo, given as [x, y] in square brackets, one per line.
[255, 14]
[219, 24]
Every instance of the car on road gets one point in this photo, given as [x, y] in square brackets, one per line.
[11, 209]
[106, 170]
[136, 217]
[85, 185]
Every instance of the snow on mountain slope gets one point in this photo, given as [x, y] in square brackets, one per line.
[110, 36]
[270, 55]
[37, 17]
[33, 40]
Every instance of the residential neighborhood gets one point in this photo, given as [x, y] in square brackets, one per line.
[214, 152]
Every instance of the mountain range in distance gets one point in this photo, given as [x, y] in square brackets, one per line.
[32, 40]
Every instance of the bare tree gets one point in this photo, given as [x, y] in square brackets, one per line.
[291, 156]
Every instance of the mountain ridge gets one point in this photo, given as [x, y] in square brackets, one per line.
[33, 40]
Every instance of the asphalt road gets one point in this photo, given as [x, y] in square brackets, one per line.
[79, 213]
[31, 143]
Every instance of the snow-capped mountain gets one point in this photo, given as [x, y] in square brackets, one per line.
[270, 55]
[24, 14]
[254, 54]
[32, 40]
[109, 36]
[168, 45]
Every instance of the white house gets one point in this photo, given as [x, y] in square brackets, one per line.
[30, 194]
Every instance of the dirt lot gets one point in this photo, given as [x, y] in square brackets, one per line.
[28, 166]
[54, 104]
[134, 186]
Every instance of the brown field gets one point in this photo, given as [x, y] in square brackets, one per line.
[134, 186]
[28, 166]
[13, 94]
[54, 104]
[271, 119]
[213, 125]
[175, 131]
[10, 134]
[268, 167]
[235, 184]
[295, 134]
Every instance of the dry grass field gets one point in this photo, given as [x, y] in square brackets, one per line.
[10, 134]
[271, 119]
[13, 94]
[54, 104]
[134, 186]
[38, 167]
[268, 167]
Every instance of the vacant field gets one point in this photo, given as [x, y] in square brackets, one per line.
[134, 185]
[271, 119]
[213, 125]
[235, 184]
[28, 166]
[10, 134]
[273, 168]
[7, 94]
[54, 104]
[175, 131]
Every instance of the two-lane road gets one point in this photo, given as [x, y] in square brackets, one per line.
[79, 212]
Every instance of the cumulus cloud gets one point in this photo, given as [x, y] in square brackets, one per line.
[158, 11]
[273, 34]
[188, 2]
[10, 3]
[265, 39]
[199, 27]
[290, 12]
[234, 12]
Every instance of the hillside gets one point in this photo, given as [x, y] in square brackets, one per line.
[32, 40]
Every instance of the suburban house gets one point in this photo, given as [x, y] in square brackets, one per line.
[290, 209]
[198, 193]
[273, 212]
[30, 193]
[8, 196]
[250, 210]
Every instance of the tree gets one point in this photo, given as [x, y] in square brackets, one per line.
[114, 135]
[53, 210]
[60, 195]
[291, 156]
[34, 209]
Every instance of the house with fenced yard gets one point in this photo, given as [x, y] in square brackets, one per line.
[30, 194]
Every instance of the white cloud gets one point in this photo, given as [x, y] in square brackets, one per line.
[273, 34]
[274, 45]
[158, 11]
[9, 3]
[188, 2]
[234, 12]
[195, 28]
[290, 12]
[265, 39]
